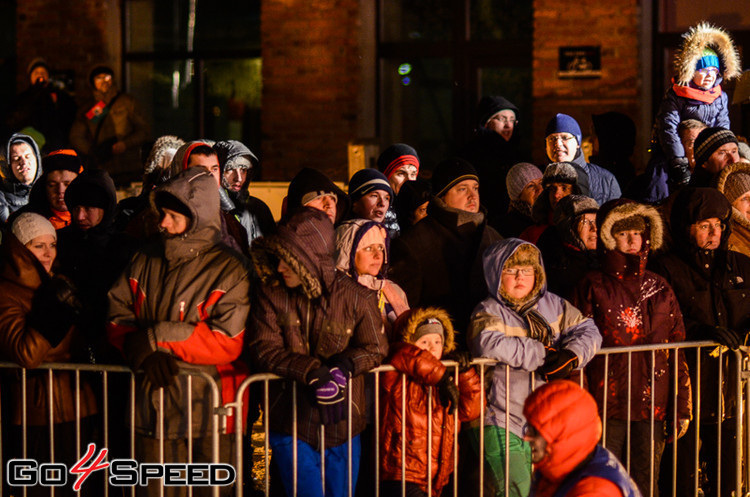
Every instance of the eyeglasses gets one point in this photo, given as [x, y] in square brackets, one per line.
[708, 70]
[563, 137]
[707, 227]
[588, 222]
[524, 271]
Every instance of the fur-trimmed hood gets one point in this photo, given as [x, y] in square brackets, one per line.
[654, 235]
[305, 242]
[494, 260]
[701, 36]
[721, 182]
[406, 325]
[162, 152]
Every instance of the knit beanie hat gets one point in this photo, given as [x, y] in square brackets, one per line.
[100, 70]
[65, 159]
[636, 223]
[560, 172]
[30, 225]
[429, 325]
[744, 150]
[709, 58]
[411, 195]
[491, 105]
[519, 176]
[310, 184]
[368, 180]
[563, 123]
[92, 188]
[737, 184]
[708, 141]
[396, 156]
[451, 172]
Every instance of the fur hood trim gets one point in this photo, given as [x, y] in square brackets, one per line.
[701, 36]
[266, 254]
[407, 323]
[163, 152]
[721, 182]
[629, 209]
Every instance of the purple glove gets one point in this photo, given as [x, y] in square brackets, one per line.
[328, 387]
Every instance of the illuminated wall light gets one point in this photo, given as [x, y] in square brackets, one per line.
[404, 69]
[406, 81]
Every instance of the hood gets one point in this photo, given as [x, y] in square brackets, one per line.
[567, 417]
[94, 184]
[231, 149]
[196, 190]
[162, 153]
[703, 36]
[306, 242]
[348, 236]
[7, 173]
[494, 260]
[695, 204]
[407, 323]
[721, 184]
[180, 160]
[491, 105]
[566, 215]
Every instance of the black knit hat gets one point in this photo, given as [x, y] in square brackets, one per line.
[310, 183]
[411, 195]
[491, 105]
[367, 180]
[451, 172]
[92, 188]
[100, 70]
[708, 141]
[62, 160]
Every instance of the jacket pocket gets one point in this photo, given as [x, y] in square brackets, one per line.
[333, 338]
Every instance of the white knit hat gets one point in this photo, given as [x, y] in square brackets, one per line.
[28, 226]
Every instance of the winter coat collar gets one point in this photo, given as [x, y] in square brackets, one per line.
[19, 265]
[457, 220]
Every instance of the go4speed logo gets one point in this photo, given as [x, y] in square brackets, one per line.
[122, 472]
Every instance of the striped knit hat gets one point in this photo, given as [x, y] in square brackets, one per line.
[396, 156]
[708, 141]
[367, 180]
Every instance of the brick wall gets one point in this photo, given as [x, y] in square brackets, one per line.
[612, 25]
[311, 85]
[69, 34]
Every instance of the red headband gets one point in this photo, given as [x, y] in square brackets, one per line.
[402, 160]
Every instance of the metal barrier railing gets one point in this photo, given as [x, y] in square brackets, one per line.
[740, 365]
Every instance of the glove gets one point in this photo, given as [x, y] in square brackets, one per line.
[329, 393]
[462, 357]
[54, 309]
[557, 364]
[160, 368]
[682, 428]
[448, 392]
[679, 171]
[724, 336]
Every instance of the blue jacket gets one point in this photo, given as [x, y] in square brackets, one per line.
[595, 181]
[498, 331]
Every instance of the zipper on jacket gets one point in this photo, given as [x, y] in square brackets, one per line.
[182, 310]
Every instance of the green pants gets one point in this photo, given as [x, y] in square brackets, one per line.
[519, 459]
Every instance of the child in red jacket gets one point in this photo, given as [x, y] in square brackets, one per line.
[404, 431]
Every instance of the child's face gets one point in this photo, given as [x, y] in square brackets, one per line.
[517, 281]
[629, 241]
[432, 343]
[706, 77]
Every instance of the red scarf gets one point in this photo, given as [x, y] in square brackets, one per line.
[705, 96]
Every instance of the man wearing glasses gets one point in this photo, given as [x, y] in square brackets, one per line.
[563, 141]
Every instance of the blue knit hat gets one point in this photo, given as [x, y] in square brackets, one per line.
[708, 59]
[563, 123]
[367, 180]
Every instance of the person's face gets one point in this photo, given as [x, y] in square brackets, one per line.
[173, 222]
[687, 138]
[235, 178]
[103, 82]
[432, 343]
[503, 123]
[587, 230]
[210, 162]
[407, 172]
[463, 196]
[23, 162]
[742, 204]
[291, 280]
[39, 75]
[55, 185]
[517, 281]
[369, 259]
[420, 212]
[44, 248]
[87, 217]
[538, 444]
[706, 77]
[561, 147]
[558, 191]
[372, 206]
[325, 203]
[629, 241]
[531, 191]
[727, 154]
[706, 234]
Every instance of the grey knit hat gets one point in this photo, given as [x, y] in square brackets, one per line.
[519, 176]
[737, 184]
[708, 141]
[560, 172]
[29, 225]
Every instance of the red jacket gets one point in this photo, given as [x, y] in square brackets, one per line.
[423, 371]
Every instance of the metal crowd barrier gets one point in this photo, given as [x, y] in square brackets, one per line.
[740, 467]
